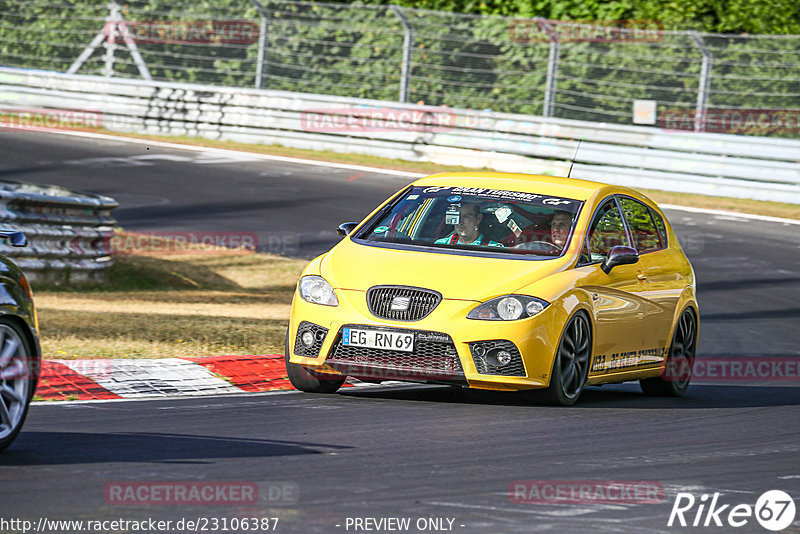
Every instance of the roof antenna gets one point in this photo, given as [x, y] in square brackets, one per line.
[571, 163]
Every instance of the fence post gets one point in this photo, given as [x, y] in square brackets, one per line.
[408, 42]
[552, 68]
[263, 40]
[704, 84]
[108, 35]
[262, 51]
[110, 44]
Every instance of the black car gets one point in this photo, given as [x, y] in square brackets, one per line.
[20, 355]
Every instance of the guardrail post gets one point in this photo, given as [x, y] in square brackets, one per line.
[263, 41]
[704, 84]
[552, 69]
[408, 42]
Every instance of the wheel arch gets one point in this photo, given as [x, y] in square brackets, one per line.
[687, 301]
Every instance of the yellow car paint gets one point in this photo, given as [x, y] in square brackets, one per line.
[633, 310]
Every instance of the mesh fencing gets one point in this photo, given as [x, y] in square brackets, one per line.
[568, 70]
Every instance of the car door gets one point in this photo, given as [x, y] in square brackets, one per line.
[660, 284]
[619, 307]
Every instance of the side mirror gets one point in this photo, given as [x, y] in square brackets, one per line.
[17, 239]
[345, 228]
[619, 255]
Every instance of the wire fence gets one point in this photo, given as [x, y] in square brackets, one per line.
[596, 72]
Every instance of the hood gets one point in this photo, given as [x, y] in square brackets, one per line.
[353, 266]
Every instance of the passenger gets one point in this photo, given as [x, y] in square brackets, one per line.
[559, 228]
[466, 231]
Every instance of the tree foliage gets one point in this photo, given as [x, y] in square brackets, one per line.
[717, 16]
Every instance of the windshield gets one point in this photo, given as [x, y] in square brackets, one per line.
[479, 219]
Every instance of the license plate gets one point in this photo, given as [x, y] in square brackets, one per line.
[377, 339]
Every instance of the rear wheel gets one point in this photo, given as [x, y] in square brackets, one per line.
[674, 381]
[18, 377]
[571, 365]
[308, 380]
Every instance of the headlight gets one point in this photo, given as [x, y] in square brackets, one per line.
[316, 290]
[508, 308]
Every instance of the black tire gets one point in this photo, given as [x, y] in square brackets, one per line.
[308, 380]
[674, 381]
[19, 374]
[571, 363]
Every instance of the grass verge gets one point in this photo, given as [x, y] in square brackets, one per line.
[173, 305]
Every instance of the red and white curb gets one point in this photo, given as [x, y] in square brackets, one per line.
[123, 378]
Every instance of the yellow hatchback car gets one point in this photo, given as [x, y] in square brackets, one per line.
[500, 281]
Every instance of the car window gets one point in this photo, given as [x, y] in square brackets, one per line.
[477, 219]
[662, 230]
[646, 237]
[606, 231]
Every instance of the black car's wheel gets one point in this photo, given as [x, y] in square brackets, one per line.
[674, 381]
[308, 380]
[18, 377]
[571, 365]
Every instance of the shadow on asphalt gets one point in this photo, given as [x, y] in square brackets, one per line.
[58, 448]
[617, 396]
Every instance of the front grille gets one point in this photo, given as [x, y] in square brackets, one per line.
[434, 359]
[420, 302]
[319, 337]
[481, 350]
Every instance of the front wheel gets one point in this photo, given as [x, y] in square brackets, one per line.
[18, 377]
[308, 380]
[674, 381]
[571, 365]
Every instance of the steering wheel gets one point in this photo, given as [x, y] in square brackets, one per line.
[537, 245]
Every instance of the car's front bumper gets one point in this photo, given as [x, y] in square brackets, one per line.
[446, 344]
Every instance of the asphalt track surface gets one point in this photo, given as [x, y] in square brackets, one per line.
[408, 451]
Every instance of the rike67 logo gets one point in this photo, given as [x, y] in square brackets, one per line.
[774, 510]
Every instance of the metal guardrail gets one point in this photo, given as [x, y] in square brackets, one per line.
[714, 164]
[69, 233]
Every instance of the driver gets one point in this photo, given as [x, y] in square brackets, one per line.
[466, 231]
[559, 228]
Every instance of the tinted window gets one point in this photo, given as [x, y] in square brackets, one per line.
[662, 230]
[477, 219]
[607, 231]
[645, 235]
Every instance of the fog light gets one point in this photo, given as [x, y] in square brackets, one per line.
[503, 357]
[480, 350]
[307, 339]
